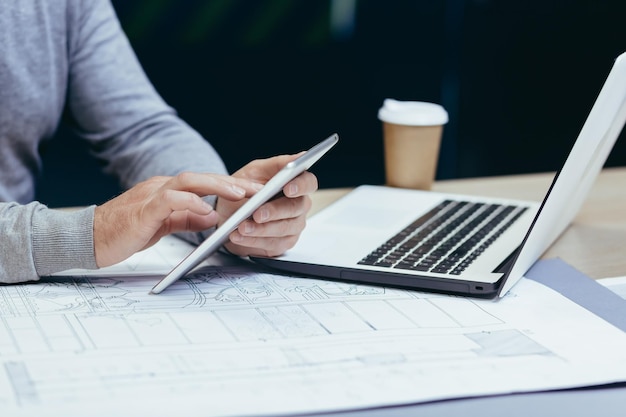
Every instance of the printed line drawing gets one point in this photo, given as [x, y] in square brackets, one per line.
[287, 342]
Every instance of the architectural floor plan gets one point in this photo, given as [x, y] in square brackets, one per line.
[240, 341]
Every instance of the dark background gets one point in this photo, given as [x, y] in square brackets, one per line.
[265, 77]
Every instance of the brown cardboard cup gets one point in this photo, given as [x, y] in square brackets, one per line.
[412, 136]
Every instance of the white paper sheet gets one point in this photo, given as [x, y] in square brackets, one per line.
[615, 284]
[231, 341]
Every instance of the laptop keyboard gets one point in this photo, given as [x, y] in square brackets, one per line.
[447, 239]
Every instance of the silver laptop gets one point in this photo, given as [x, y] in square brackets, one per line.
[453, 243]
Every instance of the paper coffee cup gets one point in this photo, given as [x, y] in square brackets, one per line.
[412, 133]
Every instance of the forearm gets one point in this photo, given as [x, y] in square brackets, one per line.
[39, 241]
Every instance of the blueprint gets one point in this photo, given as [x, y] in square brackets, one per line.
[234, 340]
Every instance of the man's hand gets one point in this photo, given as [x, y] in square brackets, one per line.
[276, 225]
[138, 218]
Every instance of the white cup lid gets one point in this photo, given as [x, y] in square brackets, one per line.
[412, 113]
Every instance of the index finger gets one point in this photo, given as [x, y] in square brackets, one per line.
[204, 184]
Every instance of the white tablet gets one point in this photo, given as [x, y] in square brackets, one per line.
[271, 188]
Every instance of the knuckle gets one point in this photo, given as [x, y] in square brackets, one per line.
[285, 227]
[167, 195]
[291, 208]
[283, 245]
[290, 242]
[184, 177]
[300, 224]
[313, 178]
[308, 203]
[249, 242]
[255, 168]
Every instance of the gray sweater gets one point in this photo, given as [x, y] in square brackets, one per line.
[70, 57]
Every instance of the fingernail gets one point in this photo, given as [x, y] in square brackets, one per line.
[293, 189]
[248, 227]
[238, 190]
[207, 206]
[236, 237]
[264, 214]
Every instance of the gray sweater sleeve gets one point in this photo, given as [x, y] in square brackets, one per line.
[59, 239]
[115, 108]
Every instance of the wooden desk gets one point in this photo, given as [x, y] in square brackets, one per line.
[595, 243]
